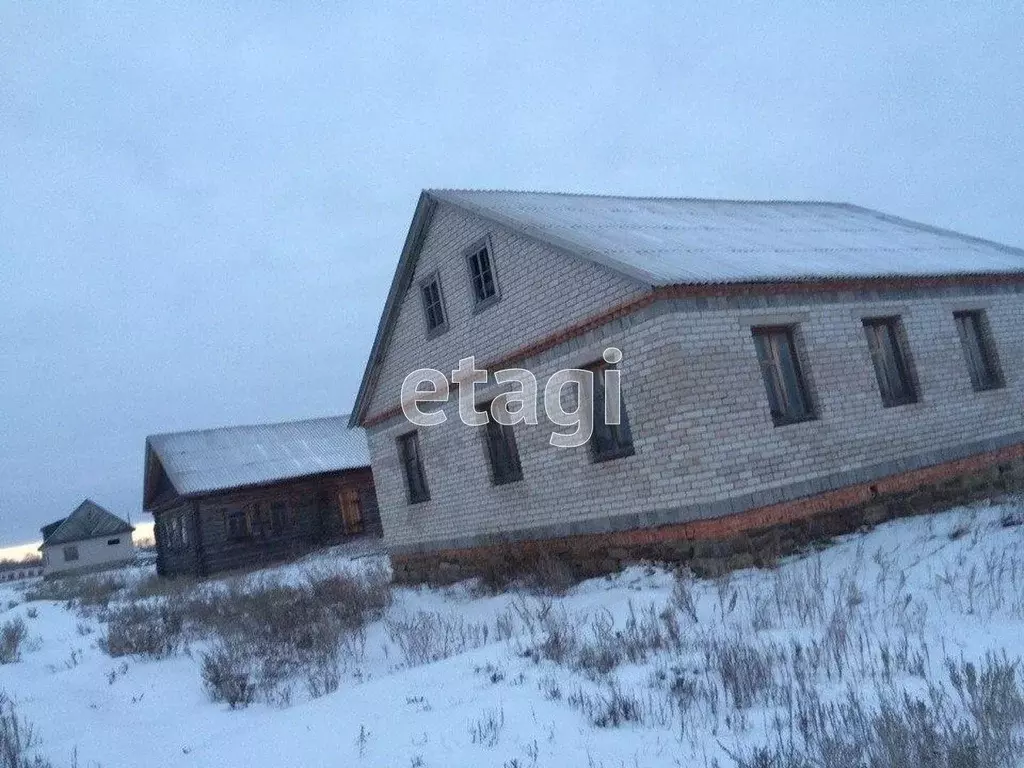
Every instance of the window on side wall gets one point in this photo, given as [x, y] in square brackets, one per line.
[236, 521]
[433, 306]
[412, 464]
[113, 542]
[279, 517]
[481, 275]
[70, 553]
[502, 452]
[783, 378]
[891, 361]
[979, 350]
[609, 441]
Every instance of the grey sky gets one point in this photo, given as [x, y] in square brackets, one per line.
[201, 206]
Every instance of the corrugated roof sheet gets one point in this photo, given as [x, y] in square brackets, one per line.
[234, 457]
[88, 521]
[665, 241]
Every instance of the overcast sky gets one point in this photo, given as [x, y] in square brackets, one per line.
[201, 207]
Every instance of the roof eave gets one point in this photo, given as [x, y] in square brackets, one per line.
[425, 207]
[197, 494]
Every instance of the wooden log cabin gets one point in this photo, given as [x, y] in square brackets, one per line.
[236, 497]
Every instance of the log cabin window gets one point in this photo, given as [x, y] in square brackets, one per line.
[979, 350]
[608, 441]
[502, 452]
[70, 553]
[278, 517]
[783, 380]
[175, 532]
[236, 521]
[412, 464]
[433, 306]
[889, 356]
[481, 275]
[351, 510]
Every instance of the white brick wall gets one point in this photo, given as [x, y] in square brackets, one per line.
[693, 392]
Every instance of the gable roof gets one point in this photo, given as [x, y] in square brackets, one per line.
[208, 460]
[671, 241]
[88, 521]
[48, 529]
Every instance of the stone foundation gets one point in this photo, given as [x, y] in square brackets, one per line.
[755, 537]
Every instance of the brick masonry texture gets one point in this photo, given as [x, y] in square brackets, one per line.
[706, 447]
[757, 537]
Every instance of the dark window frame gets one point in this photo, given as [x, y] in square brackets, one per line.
[231, 530]
[113, 542]
[608, 441]
[435, 312]
[891, 360]
[501, 450]
[783, 375]
[175, 536]
[71, 553]
[279, 519]
[978, 346]
[416, 487]
[480, 275]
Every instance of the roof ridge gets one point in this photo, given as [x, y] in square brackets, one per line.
[85, 507]
[227, 427]
[652, 198]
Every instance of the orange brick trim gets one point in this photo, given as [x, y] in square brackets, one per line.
[743, 522]
[724, 290]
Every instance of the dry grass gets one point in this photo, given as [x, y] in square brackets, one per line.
[13, 634]
[257, 637]
[17, 739]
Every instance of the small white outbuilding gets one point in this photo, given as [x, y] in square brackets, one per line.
[90, 538]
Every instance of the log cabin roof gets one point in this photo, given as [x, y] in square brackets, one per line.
[208, 460]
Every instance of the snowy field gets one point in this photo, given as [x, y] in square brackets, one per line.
[790, 666]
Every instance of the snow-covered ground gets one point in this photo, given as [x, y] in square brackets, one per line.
[641, 669]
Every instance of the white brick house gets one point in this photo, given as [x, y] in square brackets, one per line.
[90, 538]
[773, 352]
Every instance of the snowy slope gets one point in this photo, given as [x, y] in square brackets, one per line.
[900, 599]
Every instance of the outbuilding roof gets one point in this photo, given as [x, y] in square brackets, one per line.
[88, 521]
[220, 459]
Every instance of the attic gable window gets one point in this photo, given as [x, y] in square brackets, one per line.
[979, 351]
[481, 275]
[433, 306]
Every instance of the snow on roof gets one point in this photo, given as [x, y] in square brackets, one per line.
[664, 240]
[88, 521]
[234, 457]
